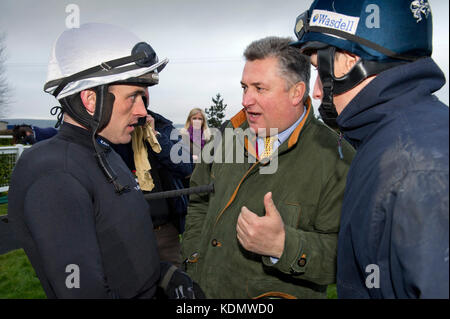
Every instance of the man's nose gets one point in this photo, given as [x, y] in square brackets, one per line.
[140, 108]
[247, 99]
[318, 89]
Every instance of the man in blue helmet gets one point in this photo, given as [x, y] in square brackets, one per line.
[74, 205]
[376, 81]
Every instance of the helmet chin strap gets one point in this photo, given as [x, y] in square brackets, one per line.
[100, 119]
[325, 66]
[335, 86]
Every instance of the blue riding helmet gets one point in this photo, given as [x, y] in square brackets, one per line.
[376, 30]
[383, 33]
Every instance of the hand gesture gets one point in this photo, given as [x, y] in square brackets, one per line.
[262, 235]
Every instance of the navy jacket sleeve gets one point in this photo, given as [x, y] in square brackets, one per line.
[420, 225]
[62, 222]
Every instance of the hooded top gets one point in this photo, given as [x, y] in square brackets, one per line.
[393, 240]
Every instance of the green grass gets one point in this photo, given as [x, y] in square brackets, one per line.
[331, 292]
[18, 279]
[3, 209]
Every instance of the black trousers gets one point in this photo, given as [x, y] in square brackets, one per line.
[169, 246]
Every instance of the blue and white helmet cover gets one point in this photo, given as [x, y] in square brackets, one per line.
[401, 26]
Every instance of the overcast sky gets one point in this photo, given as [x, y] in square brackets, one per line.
[203, 39]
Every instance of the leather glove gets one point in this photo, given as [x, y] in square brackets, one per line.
[177, 284]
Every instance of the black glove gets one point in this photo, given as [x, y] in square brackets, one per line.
[177, 284]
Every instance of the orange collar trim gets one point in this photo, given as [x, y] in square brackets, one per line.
[294, 136]
[239, 119]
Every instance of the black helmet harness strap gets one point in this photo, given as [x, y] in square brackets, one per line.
[335, 86]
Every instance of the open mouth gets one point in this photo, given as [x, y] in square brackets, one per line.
[253, 116]
[131, 126]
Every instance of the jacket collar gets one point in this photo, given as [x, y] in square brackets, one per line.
[81, 136]
[240, 121]
[391, 90]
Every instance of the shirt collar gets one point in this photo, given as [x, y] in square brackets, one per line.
[283, 136]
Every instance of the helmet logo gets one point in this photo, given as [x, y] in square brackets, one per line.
[333, 20]
[418, 7]
[299, 26]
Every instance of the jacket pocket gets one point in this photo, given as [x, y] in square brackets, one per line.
[296, 215]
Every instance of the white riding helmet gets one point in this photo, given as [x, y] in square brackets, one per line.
[111, 53]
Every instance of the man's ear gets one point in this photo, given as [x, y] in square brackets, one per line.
[350, 61]
[346, 61]
[89, 98]
[297, 93]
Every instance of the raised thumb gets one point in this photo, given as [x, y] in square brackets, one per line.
[269, 205]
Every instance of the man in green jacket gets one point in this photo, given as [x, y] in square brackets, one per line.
[270, 228]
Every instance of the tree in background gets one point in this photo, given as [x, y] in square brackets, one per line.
[4, 89]
[216, 112]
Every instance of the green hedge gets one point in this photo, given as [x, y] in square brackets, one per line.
[5, 170]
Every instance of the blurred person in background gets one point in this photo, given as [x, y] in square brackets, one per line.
[196, 132]
[30, 134]
[148, 156]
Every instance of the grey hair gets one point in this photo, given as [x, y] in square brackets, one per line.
[293, 65]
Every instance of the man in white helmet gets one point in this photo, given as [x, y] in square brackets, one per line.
[76, 209]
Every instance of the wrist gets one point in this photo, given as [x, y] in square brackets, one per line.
[279, 247]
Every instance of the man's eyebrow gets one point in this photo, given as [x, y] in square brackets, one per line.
[137, 91]
[253, 83]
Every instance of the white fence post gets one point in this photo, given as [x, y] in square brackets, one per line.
[13, 153]
[20, 149]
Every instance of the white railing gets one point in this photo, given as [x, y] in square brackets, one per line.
[9, 156]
